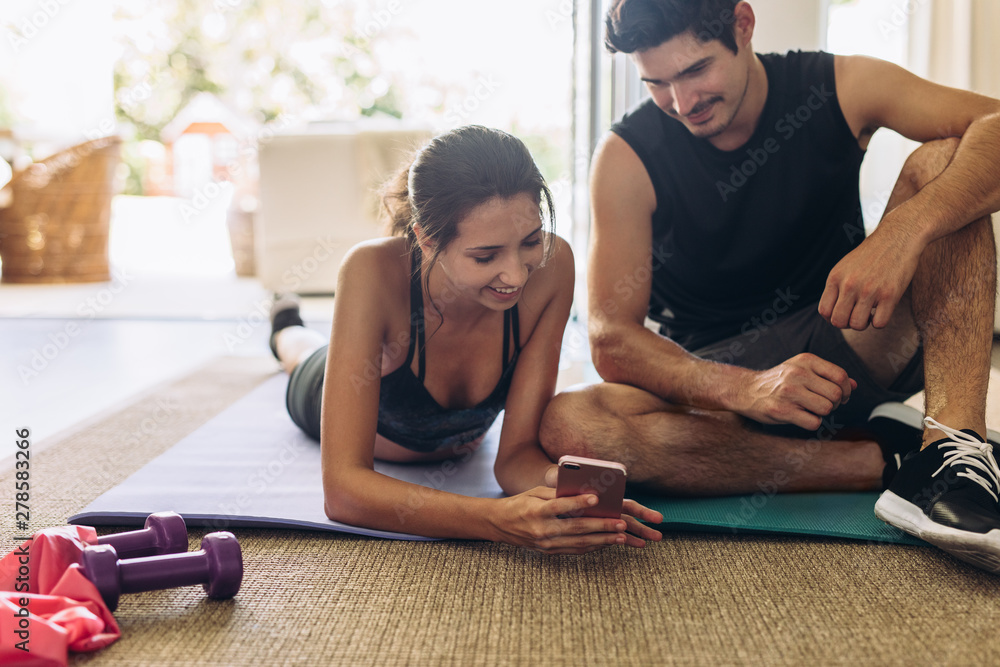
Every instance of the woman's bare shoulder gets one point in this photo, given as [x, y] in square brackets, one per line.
[378, 253]
[378, 261]
[372, 290]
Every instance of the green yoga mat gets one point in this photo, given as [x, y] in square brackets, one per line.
[849, 515]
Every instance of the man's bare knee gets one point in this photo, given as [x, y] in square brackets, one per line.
[597, 421]
[589, 420]
[928, 161]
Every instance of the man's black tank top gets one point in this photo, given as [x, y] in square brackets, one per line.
[754, 232]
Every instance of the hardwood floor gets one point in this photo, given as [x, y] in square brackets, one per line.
[57, 373]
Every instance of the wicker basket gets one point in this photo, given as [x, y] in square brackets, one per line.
[56, 229]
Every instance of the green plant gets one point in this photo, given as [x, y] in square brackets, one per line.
[264, 59]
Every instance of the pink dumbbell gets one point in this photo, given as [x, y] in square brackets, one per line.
[218, 566]
[164, 533]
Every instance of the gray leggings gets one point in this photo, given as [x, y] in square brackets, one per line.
[304, 396]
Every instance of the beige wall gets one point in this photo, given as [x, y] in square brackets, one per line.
[956, 44]
[985, 48]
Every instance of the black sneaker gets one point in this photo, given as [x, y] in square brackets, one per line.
[947, 494]
[898, 429]
[284, 314]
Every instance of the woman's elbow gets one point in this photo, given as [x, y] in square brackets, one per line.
[503, 477]
[509, 476]
[335, 508]
[339, 503]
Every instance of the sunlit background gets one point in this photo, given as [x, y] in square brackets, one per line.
[156, 73]
[147, 70]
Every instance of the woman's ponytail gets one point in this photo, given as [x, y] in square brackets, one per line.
[395, 195]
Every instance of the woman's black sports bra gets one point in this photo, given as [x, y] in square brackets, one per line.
[410, 417]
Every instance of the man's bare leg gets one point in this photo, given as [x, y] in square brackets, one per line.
[947, 494]
[949, 306]
[678, 450]
[953, 301]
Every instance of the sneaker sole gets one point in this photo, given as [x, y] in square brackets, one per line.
[979, 549]
[914, 418]
[899, 412]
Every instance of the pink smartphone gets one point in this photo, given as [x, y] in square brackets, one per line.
[605, 479]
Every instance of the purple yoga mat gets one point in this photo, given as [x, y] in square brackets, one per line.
[250, 466]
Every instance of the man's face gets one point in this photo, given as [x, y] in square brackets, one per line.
[700, 84]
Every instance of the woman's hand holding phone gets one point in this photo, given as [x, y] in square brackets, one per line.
[531, 520]
[578, 475]
[539, 519]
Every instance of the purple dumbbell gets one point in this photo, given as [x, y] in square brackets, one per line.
[218, 566]
[164, 533]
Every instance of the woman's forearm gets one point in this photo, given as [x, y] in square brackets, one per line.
[517, 473]
[370, 499]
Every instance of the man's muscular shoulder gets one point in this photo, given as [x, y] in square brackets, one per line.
[875, 93]
[619, 176]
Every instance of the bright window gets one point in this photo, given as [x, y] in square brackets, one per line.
[877, 28]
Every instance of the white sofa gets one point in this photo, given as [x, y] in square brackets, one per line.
[317, 198]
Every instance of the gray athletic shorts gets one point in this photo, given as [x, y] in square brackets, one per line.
[763, 346]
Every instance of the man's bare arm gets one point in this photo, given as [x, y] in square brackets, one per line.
[875, 94]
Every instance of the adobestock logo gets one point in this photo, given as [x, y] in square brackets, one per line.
[876, 206]
[127, 98]
[42, 357]
[899, 17]
[738, 174]
[562, 13]
[436, 479]
[626, 286]
[202, 199]
[29, 26]
[755, 327]
[796, 460]
[786, 127]
[258, 315]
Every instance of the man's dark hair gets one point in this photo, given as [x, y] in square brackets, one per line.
[637, 25]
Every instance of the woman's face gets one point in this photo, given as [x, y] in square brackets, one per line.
[497, 247]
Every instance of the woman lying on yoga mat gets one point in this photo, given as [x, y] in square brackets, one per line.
[435, 331]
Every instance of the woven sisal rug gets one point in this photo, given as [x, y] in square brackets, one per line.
[318, 599]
